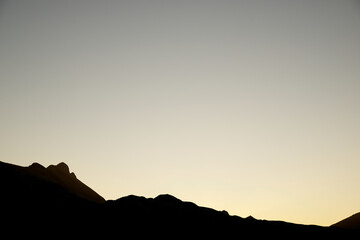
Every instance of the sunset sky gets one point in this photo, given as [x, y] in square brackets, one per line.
[248, 106]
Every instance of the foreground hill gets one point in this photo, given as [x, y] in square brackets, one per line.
[352, 222]
[36, 200]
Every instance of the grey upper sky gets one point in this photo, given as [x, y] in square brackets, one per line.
[249, 106]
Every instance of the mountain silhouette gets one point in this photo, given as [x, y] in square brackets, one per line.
[352, 222]
[37, 176]
[61, 175]
[37, 200]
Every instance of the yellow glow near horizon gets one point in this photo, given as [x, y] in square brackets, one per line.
[247, 106]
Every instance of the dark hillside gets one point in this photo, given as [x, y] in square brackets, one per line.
[36, 200]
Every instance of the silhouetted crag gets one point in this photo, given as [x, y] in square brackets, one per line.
[38, 200]
[61, 175]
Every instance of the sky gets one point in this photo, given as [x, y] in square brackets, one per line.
[248, 106]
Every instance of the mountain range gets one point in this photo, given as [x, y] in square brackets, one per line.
[37, 201]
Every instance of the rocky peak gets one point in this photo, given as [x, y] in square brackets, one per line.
[61, 167]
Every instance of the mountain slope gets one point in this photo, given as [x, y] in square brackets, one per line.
[61, 175]
[352, 222]
[36, 198]
[34, 176]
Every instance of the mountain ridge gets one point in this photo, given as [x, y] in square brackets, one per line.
[60, 174]
[37, 196]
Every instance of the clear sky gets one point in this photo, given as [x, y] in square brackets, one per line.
[248, 106]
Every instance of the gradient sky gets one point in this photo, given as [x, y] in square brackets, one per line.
[249, 106]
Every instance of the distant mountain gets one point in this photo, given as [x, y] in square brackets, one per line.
[352, 222]
[36, 200]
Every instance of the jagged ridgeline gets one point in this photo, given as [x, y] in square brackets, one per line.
[38, 200]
